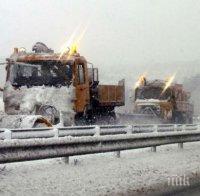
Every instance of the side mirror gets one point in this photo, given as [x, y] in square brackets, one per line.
[1, 89]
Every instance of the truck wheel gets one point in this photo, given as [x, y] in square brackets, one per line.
[50, 112]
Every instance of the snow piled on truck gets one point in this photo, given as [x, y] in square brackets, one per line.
[27, 98]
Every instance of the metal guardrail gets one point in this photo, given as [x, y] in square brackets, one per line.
[78, 131]
[14, 150]
[40, 143]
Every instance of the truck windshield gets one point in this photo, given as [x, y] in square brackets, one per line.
[152, 93]
[48, 74]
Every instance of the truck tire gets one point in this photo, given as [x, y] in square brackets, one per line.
[49, 112]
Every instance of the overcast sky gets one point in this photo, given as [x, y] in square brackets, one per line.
[124, 38]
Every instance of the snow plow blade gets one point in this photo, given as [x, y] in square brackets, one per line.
[23, 121]
[129, 118]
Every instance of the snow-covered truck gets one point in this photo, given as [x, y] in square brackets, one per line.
[44, 87]
[164, 100]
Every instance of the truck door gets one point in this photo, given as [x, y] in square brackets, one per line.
[82, 87]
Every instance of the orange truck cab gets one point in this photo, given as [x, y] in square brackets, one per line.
[92, 102]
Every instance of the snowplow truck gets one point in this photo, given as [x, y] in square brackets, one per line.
[170, 104]
[50, 88]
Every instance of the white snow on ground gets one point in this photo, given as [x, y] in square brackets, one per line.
[100, 174]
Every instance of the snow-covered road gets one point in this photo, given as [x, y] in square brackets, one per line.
[102, 174]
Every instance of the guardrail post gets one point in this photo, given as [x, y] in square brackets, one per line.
[180, 145]
[129, 129]
[155, 128]
[97, 130]
[183, 127]
[153, 149]
[75, 161]
[66, 160]
[133, 128]
[117, 154]
[8, 134]
[198, 127]
[175, 127]
[56, 132]
[56, 135]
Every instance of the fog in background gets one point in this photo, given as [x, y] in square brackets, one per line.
[124, 38]
[192, 85]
